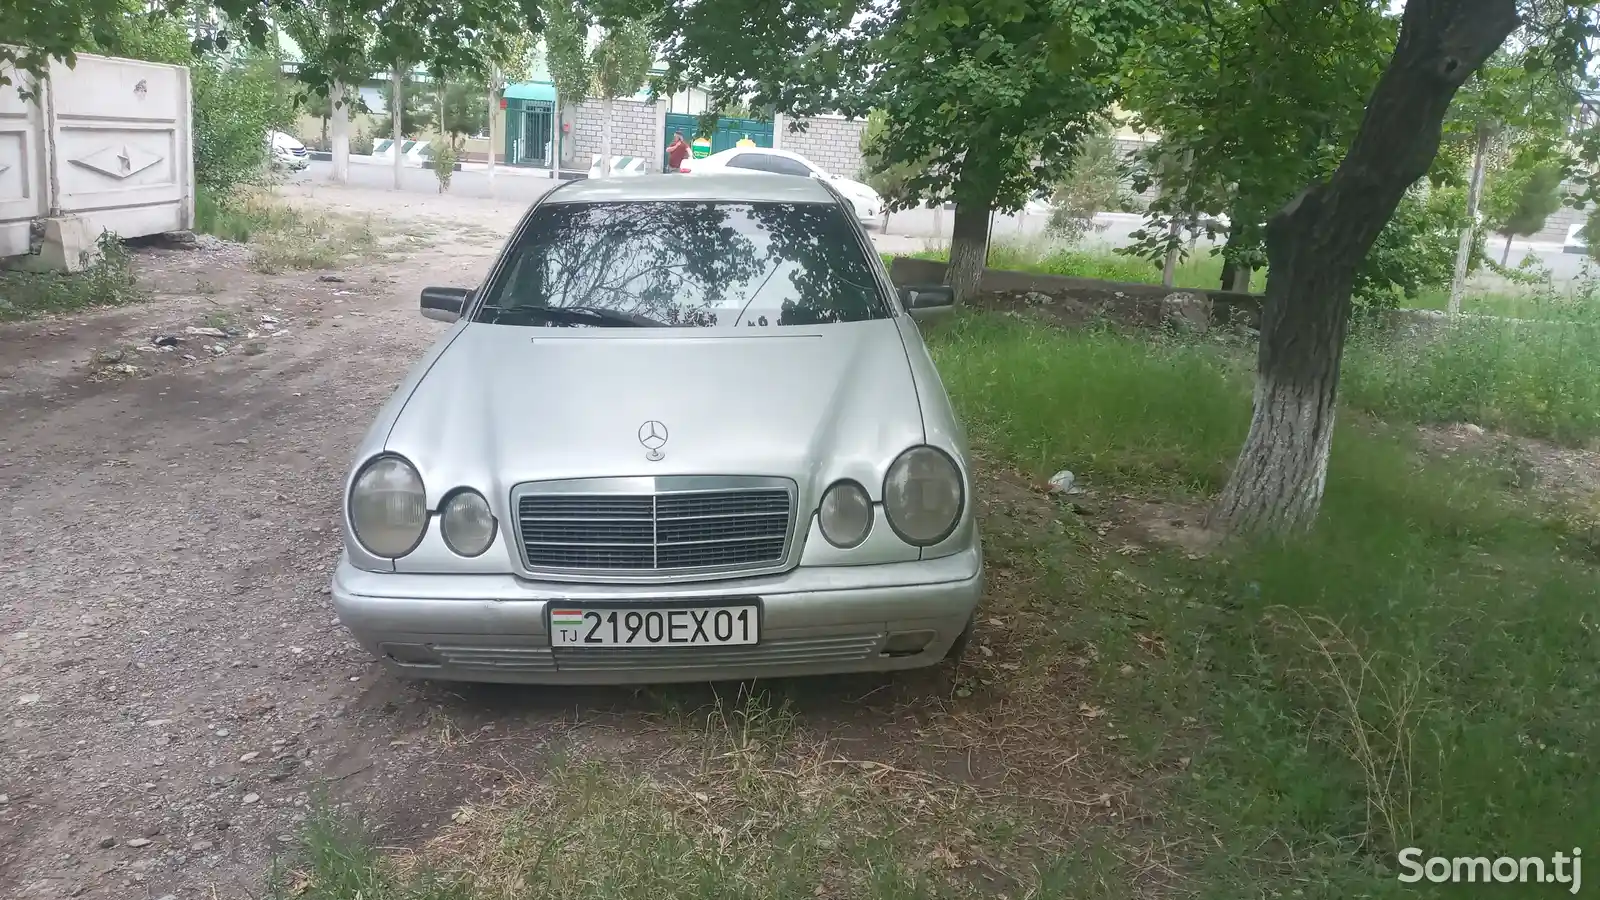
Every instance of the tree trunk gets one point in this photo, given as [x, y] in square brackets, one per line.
[494, 110]
[1241, 280]
[1169, 267]
[605, 139]
[341, 134]
[1229, 270]
[1458, 283]
[969, 249]
[1505, 255]
[397, 103]
[555, 142]
[439, 91]
[1316, 243]
[324, 131]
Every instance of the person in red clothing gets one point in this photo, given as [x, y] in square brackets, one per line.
[677, 152]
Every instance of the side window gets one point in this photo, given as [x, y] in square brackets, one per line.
[783, 165]
[754, 161]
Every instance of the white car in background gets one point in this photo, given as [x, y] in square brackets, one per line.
[866, 202]
[288, 152]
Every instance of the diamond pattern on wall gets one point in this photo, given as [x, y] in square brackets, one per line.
[119, 161]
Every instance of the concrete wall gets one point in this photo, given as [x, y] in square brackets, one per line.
[108, 149]
[832, 142]
[634, 131]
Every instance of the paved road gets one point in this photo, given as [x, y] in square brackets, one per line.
[907, 231]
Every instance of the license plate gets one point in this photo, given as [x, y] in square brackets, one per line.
[633, 626]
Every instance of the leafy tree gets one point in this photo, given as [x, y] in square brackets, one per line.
[336, 44]
[1260, 97]
[1093, 184]
[890, 179]
[621, 62]
[512, 63]
[984, 102]
[1021, 86]
[1415, 251]
[417, 108]
[1316, 245]
[1521, 197]
[452, 33]
[1269, 95]
[464, 112]
[616, 66]
[1506, 99]
[566, 41]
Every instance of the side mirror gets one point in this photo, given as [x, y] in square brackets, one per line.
[444, 304]
[925, 301]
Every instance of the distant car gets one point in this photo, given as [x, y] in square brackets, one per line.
[868, 205]
[287, 151]
[1575, 242]
[744, 465]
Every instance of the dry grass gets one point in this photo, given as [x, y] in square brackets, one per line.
[287, 238]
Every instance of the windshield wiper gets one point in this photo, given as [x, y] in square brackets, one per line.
[567, 315]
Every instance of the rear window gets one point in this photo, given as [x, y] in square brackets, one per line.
[683, 264]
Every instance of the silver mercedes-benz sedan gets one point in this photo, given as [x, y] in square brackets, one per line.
[685, 430]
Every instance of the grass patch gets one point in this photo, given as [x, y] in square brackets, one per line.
[1200, 270]
[1124, 409]
[1423, 670]
[749, 810]
[109, 281]
[284, 238]
[1539, 378]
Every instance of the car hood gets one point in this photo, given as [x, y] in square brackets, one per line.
[506, 404]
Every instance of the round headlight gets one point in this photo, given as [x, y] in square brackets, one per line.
[466, 523]
[388, 509]
[845, 514]
[923, 495]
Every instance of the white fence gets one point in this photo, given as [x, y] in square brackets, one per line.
[108, 143]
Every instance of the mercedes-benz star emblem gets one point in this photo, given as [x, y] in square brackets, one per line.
[653, 435]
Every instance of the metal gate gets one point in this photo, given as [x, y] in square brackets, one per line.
[727, 133]
[109, 141]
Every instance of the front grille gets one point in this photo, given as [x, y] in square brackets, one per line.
[801, 651]
[703, 530]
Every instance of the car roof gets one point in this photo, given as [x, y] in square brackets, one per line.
[724, 187]
[760, 151]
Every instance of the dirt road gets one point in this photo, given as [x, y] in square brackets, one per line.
[175, 685]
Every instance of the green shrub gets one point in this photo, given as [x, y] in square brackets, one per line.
[109, 281]
[444, 162]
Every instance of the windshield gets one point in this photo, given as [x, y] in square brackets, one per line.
[685, 264]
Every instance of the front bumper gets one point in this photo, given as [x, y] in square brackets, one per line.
[815, 621]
